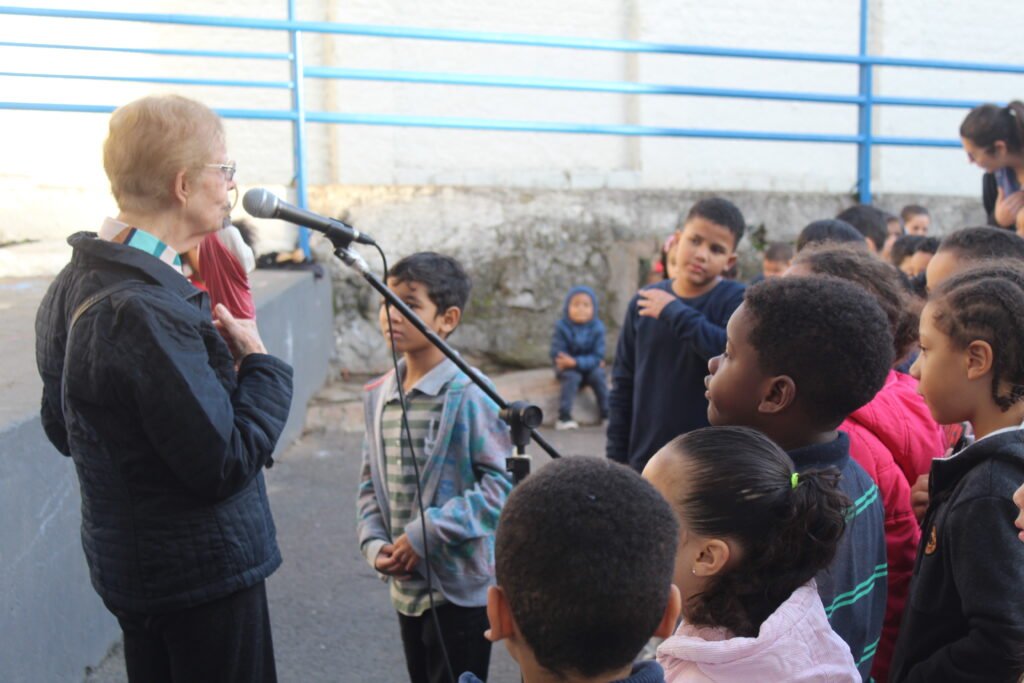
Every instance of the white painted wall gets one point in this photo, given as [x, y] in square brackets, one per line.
[51, 180]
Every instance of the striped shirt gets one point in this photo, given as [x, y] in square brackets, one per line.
[424, 414]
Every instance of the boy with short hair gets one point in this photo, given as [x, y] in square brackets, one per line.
[962, 248]
[671, 330]
[458, 476]
[802, 354]
[585, 619]
[577, 351]
[871, 222]
[775, 260]
[916, 219]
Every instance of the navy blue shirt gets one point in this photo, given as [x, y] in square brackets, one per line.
[660, 364]
[853, 589]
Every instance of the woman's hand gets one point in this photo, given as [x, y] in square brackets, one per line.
[241, 334]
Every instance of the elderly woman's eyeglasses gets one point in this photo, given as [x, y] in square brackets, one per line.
[227, 169]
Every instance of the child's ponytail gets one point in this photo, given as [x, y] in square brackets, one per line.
[810, 533]
[741, 486]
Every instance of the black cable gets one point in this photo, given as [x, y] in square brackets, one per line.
[416, 469]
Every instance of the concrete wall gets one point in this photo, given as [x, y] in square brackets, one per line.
[525, 248]
[51, 160]
[52, 622]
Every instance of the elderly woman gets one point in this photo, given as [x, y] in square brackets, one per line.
[993, 138]
[167, 437]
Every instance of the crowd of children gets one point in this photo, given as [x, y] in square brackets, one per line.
[832, 456]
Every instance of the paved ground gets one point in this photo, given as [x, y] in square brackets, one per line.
[332, 619]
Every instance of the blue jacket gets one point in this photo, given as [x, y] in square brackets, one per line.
[168, 440]
[464, 485]
[584, 342]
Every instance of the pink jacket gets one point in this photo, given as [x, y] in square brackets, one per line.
[899, 417]
[794, 644]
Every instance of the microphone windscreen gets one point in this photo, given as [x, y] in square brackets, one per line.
[260, 203]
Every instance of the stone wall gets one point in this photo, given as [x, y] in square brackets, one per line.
[525, 249]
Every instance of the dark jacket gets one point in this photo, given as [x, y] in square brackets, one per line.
[965, 617]
[660, 363]
[168, 441]
[582, 341]
[853, 588]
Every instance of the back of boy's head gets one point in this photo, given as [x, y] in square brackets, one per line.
[927, 245]
[868, 221]
[779, 251]
[879, 279]
[719, 211]
[585, 553]
[911, 210]
[446, 282]
[828, 335]
[739, 486]
[828, 230]
[983, 243]
[986, 303]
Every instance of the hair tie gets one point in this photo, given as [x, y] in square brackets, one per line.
[794, 480]
[1011, 111]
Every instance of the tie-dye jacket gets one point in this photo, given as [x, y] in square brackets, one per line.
[464, 485]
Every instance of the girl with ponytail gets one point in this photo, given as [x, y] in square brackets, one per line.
[993, 138]
[753, 534]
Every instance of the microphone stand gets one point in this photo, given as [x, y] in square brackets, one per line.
[523, 418]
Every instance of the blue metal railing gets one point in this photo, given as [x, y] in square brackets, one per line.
[865, 98]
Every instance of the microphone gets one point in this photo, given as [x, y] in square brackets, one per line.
[261, 203]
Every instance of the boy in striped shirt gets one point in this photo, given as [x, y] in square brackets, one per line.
[451, 456]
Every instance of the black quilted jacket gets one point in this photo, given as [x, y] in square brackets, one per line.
[168, 440]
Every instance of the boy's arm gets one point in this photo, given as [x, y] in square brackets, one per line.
[620, 400]
[474, 512]
[692, 326]
[587, 362]
[559, 341]
[991, 645]
[373, 534]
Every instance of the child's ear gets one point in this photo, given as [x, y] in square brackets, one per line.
[450, 320]
[732, 260]
[667, 625]
[979, 359]
[781, 394]
[712, 558]
[499, 615]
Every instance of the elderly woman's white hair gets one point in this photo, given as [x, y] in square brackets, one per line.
[150, 141]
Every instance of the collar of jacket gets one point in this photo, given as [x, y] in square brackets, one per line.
[430, 384]
[88, 246]
[834, 453]
[947, 473]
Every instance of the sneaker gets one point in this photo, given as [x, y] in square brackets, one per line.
[562, 425]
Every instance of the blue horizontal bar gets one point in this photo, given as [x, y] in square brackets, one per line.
[154, 51]
[507, 39]
[568, 85]
[560, 127]
[167, 81]
[257, 114]
[519, 126]
[925, 102]
[914, 142]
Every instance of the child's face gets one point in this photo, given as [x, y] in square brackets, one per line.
[894, 227]
[917, 263]
[404, 337]
[918, 224]
[667, 472]
[772, 268]
[939, 371]
[945, 263]
[581, 308]
[735, 383]
[704, 251]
